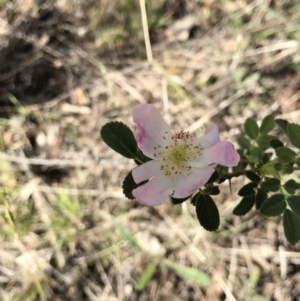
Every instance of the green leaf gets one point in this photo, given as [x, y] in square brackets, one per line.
[285, 154]
[127, 235]
[247, 189]
[290, 186]
[273, 206]
[260, 197]
[269, 168]
[271, 184]
[293, 132]
[128, 185]
[214, 177]
[189, 273]
[294, 203]
[298, 162]
[267, 124]
[244, 206]
[214, 190]
[207, 212]
[252, 176]
[275, 143]
[251, 128]
[282, 123]
[263, 141]
[254, 155]
[120, 138]
[278, 166]
[291, 226]
[147, 275]
[288, 169]
[243, 142]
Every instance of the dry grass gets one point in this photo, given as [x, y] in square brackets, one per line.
[67, 231]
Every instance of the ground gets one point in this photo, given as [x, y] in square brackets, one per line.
[67, 68]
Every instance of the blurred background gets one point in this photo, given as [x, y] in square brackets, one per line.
[69, 66]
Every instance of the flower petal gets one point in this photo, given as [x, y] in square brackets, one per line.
[152, 129]
[146, 171]
[154, 192]
[221, 153]
[187, 185]
[210, 138]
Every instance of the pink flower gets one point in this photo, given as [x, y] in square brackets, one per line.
[181, 162]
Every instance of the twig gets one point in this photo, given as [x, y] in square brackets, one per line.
[146, 31]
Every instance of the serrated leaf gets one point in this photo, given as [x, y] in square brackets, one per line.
[128, 185]
[290, 186]
[273, 206]
[252, 176]
[263, 141]
[271, 184]
[291, 226]
[120, 138]
[282, 123]
[247, 189]
[285, 154]
[147, 275]
[293, 132]
[244, 206]
[267, 124]
[275, 143]
[189, 273]
[260, 197]
[294, 203]
[251, 128]
[207, 212]
[243, 142]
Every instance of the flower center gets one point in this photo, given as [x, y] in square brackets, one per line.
[178, 154]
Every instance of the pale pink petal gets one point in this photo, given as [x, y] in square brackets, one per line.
[222, 153]
[187, 185]
[154, 192]
[152, 129]
[210, 138]
[146, 171]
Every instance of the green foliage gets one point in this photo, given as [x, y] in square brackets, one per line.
[190, 273]
[293, 132]
[120, 138]
[251, 128]
[244, 142]
[291, 225]
[274, 205]
[214, 177]
[282, 124]
[245, 205]
[267, 125]
[128, 185]
[248, 189]
[285, 154]
[290, 186]
[147, 275]
[207, 212]
[252, 176]
[271, 184]
[260, 197]
[263, 141]
[275, 143]
[294, 203]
